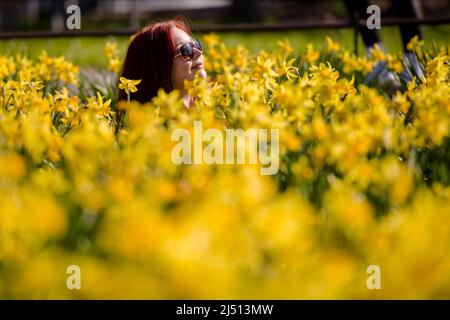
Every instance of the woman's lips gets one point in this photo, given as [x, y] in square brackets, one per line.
[199, 66]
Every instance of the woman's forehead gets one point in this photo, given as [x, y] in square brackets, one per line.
[180, 36]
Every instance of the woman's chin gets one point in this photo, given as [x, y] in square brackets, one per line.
[202, 73]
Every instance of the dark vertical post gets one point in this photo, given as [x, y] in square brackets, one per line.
[355, 32]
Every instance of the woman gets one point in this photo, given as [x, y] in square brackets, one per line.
[162, 55]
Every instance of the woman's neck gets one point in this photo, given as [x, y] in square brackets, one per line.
[187, 99]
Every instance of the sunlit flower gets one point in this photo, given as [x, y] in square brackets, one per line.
[129, 86]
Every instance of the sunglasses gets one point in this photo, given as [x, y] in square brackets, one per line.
[186, 51]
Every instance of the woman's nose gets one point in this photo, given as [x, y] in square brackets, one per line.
[197, 53]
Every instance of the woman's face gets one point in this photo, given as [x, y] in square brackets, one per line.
[182, 69]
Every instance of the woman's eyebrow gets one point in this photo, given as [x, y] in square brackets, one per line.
[183, 42]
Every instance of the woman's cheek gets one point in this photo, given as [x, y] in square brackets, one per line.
[190, 74]
[183, 72]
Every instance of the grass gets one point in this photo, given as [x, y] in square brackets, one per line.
[89, 50]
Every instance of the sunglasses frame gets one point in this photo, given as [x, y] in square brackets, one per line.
[190, 57]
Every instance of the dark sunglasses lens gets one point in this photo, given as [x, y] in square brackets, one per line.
[197, 44]
[186, 50]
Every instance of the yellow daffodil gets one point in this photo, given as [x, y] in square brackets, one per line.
[129, 86]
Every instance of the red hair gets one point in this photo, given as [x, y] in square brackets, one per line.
[150, 58]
